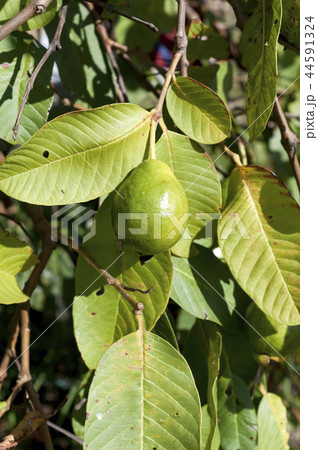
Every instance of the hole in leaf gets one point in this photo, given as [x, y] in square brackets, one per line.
[100, 291]
[45, 154]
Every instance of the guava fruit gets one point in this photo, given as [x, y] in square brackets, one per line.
[278, 337]
[150, 209]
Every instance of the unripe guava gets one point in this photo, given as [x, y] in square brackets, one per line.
[157, 198]
[282, 338]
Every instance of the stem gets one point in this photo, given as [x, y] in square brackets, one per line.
[53, 47]
[172, 68]
[181, 40]
[33, 8]
[66, 101]
[289, 139]
[112, 9]
[9, 353]
[65, 432]
[153, 128]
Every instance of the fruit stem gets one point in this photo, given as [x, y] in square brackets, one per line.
[172, 68]
[152, 149]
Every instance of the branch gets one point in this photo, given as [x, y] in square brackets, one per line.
[65, 432]
[10, 352]
[33, 8]
[181, 40]
[101, 29]
[289, 139]
[54, 46]
[112, 9]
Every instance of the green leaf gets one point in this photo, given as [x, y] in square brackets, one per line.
[203, 351]
[196, 172]
[164, 329]
[213, 45]
[198, 111]
[19, 55]
[78, 156]
[259, 239]
[236, 414]
[201, 284]
[83, 54]
[15, 257]
[272, 423]
[101, 316]
[152, 402]
[259, 52]
[10, 8]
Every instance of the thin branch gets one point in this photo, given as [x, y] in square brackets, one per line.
[288, 138]
[181, 39]
[33, 8]
[54, 46]
[101, 29]
[65, 100]
[112, 9]
[234, 156]
[10, 352]
[65, 432]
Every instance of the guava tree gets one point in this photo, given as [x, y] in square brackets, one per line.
[149, 238]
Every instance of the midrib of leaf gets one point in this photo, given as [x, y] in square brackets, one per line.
[80, 153]
[264, 234]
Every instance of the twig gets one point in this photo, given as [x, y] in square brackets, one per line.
[66, 101]
[9, 353]
[48, 247]
[65, 432]
[33, 8]
[112, 9]
[181, 40]
[256, 380]
[54, 46]
[101, 29]
[288, 138]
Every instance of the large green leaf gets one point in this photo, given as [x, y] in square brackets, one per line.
[15, 257]
[272, 423]
[19, 55]
[78, 156]
[259, 239]
[259, 51]
[101, 316]
[204, 287]
[236, 414]
[10, 8]
[198, 111]
[196, 172]
[82, 63]
[143, 396]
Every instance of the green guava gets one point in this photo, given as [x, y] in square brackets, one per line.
[279, 338]
[150, 209]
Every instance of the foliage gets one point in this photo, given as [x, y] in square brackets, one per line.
[151, 351]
